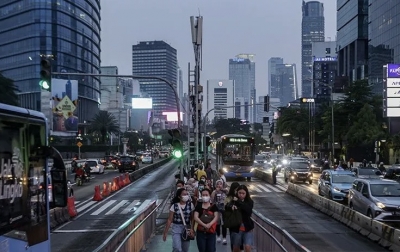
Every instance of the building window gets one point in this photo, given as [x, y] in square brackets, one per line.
[327, 50]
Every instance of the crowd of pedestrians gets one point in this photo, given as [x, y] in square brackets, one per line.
[206, 209]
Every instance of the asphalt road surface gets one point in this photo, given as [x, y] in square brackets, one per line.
[97, 220]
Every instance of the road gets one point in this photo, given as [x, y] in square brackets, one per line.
[313, 229]
[97, 220]
[85, 192]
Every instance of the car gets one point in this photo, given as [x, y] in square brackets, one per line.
[260, 160]
[147, 159]
[393, 172]
[163, 154]
[316, 165]
[376, 198]
[335, 185]
[95, 166]
[127, 163]
[367, 173]
[298, 171]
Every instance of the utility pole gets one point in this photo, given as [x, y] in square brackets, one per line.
[196, 24]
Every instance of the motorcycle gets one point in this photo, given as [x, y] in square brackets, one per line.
[79, 179]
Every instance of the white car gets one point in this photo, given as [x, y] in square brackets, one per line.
[95, 166]
[147, 159]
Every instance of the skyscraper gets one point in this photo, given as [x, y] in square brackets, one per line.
[242, 71]
[272, 62]
[156, 58]
[68, 30]
[312, 30]
[220, 93]
[284, 82]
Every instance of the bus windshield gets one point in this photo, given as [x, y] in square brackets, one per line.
[237, 152]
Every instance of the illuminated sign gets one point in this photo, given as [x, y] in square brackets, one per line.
[238, 140]
[142, 103]
[307, 100]
[325, 59]
[393, 71]
[238, 59]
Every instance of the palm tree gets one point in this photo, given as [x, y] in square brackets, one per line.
[104, 123]
[8, 91]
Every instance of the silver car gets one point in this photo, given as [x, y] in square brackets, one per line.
[376, 198]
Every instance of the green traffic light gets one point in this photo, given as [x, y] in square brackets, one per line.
[177, 153]
[44, 84]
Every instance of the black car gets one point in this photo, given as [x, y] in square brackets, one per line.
[298, 171]
[127, 163]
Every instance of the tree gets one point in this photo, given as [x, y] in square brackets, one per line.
[104, 123]
[365, 129]
[293, 121]
[8, 91]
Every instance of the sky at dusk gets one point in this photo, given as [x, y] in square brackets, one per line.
[266, 28]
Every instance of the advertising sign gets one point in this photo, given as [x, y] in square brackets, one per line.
[65, 101]
[142, 103]
[393, 112]
[393, 82]
[393, 71]
[393, 102]
[393, 92]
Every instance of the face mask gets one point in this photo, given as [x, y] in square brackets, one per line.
[206, 198]
[185, 198]
[201, 188]
[203, 180]
[179, 187]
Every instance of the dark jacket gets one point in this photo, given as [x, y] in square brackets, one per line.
[246, 208]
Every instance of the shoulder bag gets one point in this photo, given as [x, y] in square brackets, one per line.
[185, 235]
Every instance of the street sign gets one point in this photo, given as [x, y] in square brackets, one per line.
[79, 144]
[66, 106]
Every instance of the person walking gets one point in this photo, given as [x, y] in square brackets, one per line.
[218, 197]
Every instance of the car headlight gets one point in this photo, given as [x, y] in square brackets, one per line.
[312, 166]
[255, 161]
[265, 162]
[380, 205]
[225, 170]
[336, 189]
[284, 161]
[294, 173]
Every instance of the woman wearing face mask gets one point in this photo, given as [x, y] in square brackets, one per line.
[218, 198]
[198, 190]
[242, 234]
[206, 217]
[180, 201]
[229, 198]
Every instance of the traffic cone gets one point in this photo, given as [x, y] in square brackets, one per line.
[71, 207]
[127, 180]
[121, 181]
[97, 195]
[105, 191]
[115, 186]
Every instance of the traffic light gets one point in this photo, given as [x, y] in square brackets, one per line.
[45, 74]
[266, 103]
[208, 141]
[176, 143]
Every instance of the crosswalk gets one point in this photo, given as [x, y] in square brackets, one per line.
[111, 207]
[265, 188]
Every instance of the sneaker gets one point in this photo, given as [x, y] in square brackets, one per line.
[218, 239]
[224, 241]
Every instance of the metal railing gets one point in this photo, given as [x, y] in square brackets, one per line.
[270, 237]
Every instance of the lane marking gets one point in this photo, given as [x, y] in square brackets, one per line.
[131, 206]
[143, 205]
[281, 187]
[103, 207]
[80, 203]
[118, 206]
[80, 209]
[84, 231]
[273, 188]
[254, 188]
[264, 188]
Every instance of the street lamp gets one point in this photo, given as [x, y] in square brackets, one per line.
[79, 139]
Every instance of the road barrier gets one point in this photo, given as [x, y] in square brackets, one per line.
[71, 207]
[385, 235]
[133, 234]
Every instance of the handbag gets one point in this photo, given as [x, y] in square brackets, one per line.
[185, 235]
[206, 218]
[232, 219]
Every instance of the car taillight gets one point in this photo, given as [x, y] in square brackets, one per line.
[133, 163]
[49, 187]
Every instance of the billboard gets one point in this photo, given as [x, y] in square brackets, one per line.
[393, 82]
[142, 103]
[393, 70]
[172, 116]
[65, 102]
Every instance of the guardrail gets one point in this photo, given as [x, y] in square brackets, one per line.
[270, 237]
[132, 235]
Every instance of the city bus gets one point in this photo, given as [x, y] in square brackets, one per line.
[26, 183]
[235, 155]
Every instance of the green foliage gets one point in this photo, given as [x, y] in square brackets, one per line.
[104, 123]
[293, 121]
[8, 91]
[365, 128]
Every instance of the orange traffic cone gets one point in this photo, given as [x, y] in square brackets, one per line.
[115, 186]
[121, 181]
[105, 191]
[97, 195]
[71, 207]
[127, 180]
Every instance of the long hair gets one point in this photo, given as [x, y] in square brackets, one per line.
[177, 198]
[232, 190]
[244, 187]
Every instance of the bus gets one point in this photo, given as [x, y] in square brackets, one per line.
[26, 183]
[236, 155]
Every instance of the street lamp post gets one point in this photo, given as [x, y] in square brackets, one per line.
[79, 139]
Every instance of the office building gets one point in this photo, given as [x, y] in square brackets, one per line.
[242, 71]
[157, 58]
[68, 31]
[272, 62]
[324, 70]
[240, 108]
[274, 104]
[384, 44]
[284, 83]
[180, 84]
[220, 93]
[312, 30]
[352, 39]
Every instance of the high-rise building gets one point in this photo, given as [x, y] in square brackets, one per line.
[272, 62]
[220, 93]
[274, 104]
[180, 84]
[352, 39]
[324, 69]
[384, 45]
[156, 58]
[68, 31]
[242, 71]
[312, 30]
[240, 108]
[285, 84]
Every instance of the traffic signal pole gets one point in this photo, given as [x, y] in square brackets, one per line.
[139, 77]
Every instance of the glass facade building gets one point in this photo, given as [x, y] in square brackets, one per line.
[284, 83]
[66, 30]
[352, 38]
[157, 58]
[312, 30]
[384, 39]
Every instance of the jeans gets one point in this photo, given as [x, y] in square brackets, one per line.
[178, 245]
[223, 228]
[206, 242]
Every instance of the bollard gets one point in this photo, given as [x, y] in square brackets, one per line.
[71, 207]
[97, 195]
[105, 191]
